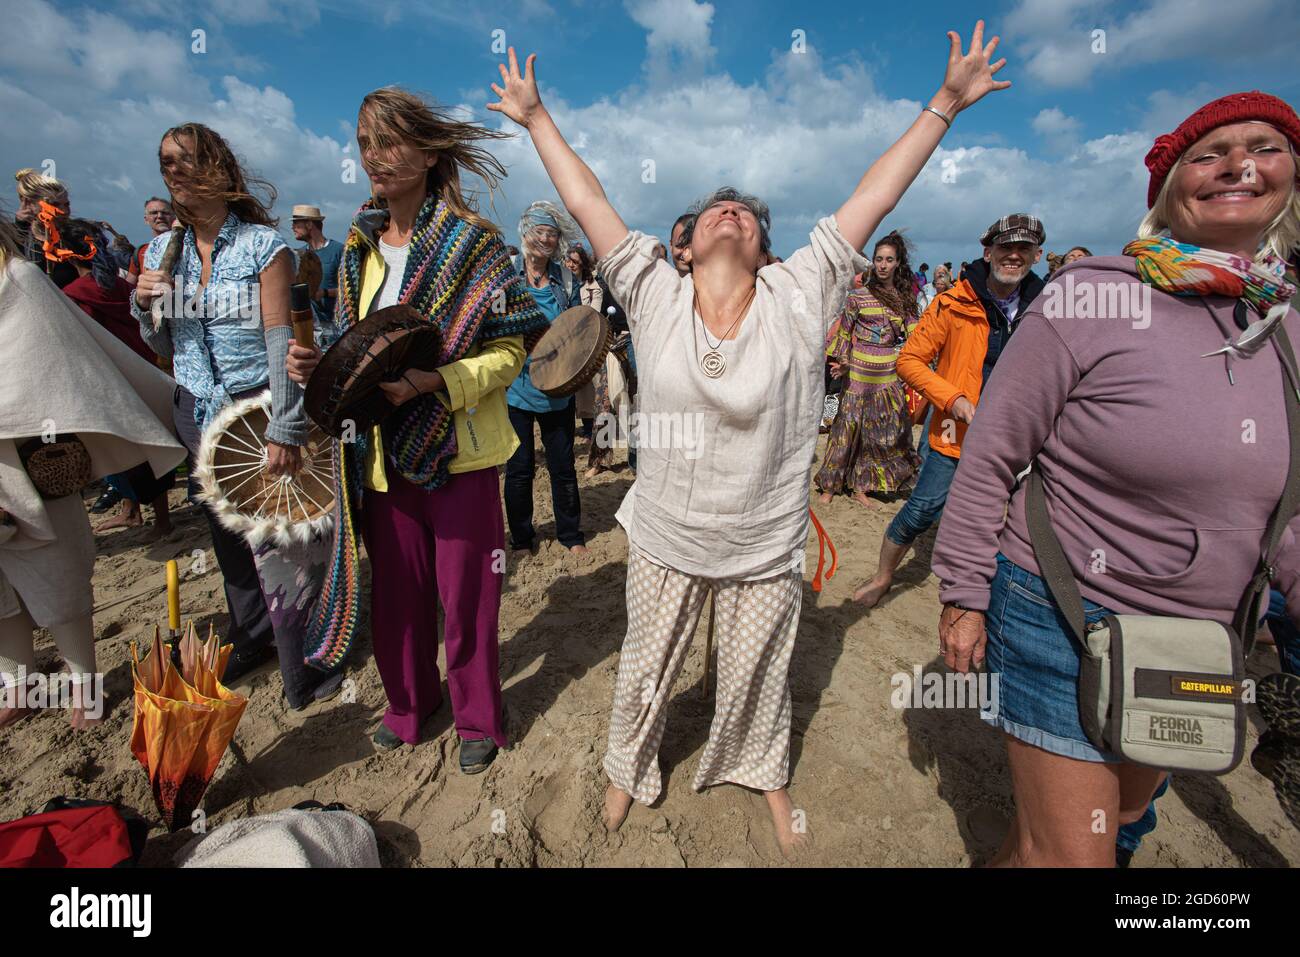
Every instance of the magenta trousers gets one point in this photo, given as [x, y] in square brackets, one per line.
[445, 545]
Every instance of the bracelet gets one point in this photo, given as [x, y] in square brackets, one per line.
[931, 109]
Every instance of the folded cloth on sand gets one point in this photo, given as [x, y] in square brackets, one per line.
[65, 373]
[288, 838]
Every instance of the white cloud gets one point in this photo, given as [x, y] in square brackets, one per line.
[1057, 35]
[803, 143]
[677, 35]
[800, 137]
[1059, 131]
[1167, 109]
[112, 89]
[1053, 122]
[300, 13]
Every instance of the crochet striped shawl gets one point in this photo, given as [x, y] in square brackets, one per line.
[456, 273]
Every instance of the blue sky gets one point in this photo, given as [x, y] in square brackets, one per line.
[711, 93]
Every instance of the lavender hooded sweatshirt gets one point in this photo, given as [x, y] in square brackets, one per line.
[1159, 474]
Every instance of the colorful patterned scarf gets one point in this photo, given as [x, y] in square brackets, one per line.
[459, 276]
[1182, 269]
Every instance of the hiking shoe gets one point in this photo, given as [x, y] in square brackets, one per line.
[327, 689]
[476, 755]
[241, 665]
[107, 499]
[385, 739]
[1277, 756]
[1279, 702]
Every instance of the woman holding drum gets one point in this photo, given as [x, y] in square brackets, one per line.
[421, 487]
[228, 341]
[723, 507]
[545, 234]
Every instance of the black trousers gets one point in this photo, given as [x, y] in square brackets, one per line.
[557, 441]
[250, 620]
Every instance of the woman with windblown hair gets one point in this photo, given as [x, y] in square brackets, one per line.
[869, 451]
[229, 343]
[421, 489]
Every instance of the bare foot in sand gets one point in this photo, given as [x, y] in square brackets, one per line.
[158, 531]
[592, 472]
[863, 499]
[790, 825]
[82, 720]
[580, 550]
[826, 498]
[128, 517]
[872, 590]
[83, 694]
[617, 803]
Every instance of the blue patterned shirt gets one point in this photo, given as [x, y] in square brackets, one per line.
[218, 343]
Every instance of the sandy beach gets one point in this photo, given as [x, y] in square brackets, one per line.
[879, 785]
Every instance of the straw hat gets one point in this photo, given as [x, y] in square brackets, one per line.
[308, 212]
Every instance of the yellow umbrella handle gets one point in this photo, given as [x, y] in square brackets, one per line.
[173, 597]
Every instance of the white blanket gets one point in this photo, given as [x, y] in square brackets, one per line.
[64, 372]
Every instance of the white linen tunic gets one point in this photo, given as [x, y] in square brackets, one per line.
[721, 489]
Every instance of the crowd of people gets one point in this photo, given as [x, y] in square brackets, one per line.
[1133, 434]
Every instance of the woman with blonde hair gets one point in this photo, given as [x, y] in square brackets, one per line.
[1135, 431]
[421, 488]
[63, 366]
[43, 209]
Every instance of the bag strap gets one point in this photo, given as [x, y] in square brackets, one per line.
[1246, 619]
[1052, 564]
[1056, 571]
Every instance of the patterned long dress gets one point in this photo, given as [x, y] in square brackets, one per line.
[870, 445]
[606, 430]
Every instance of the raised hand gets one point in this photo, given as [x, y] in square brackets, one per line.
[519, 98]
[970, 76]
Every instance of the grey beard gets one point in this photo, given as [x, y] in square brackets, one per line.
[1010, 277]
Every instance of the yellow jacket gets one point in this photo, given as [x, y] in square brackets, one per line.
[476, 394]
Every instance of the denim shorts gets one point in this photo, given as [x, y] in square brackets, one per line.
[1036, 659]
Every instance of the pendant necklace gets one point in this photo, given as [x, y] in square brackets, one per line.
[713, 363]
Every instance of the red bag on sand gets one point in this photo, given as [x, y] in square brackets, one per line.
[73, 837]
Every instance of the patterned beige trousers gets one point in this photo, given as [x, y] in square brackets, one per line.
[754, 630]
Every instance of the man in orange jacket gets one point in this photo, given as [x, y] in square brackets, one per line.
[964, 329]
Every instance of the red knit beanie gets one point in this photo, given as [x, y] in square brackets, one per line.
[1234, 108]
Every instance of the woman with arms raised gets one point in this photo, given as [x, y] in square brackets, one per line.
[733, 353]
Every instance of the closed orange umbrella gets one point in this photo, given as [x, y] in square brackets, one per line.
[184, 721]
